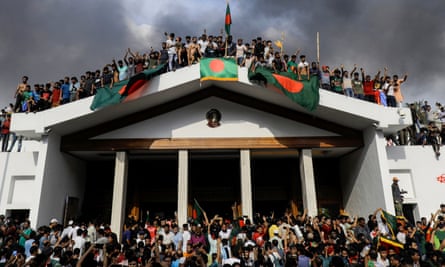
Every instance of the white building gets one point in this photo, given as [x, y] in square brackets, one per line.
[157, 153]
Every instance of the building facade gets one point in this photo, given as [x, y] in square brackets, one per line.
[158, 153]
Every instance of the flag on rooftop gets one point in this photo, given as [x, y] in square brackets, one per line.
[304, 92]
[126, 90]
[279, 44]
[228, 20]
[218, 69]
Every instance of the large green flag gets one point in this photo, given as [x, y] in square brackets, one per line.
[219, 69]
[391, 222]
[125, 90]
[304, 92]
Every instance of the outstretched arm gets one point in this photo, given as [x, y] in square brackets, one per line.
[84, 255]
[352, 71]
[303, 217]
[405, 77]
[131, 53]
[125, 57]
[377, 76]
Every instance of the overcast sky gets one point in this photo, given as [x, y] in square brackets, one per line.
[49, 39]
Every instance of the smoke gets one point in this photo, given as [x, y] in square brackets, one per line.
[50, 39]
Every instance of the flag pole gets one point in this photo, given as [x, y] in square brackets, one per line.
[282, 44]
[318, 47]
[225, 53]
[227, 35]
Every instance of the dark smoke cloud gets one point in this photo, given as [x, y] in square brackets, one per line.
[49, 39]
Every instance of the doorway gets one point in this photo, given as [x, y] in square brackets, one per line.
[214, 181]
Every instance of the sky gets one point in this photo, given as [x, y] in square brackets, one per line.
[50, 39]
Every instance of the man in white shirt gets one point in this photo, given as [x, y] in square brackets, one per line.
[185, 236]
[171, 46]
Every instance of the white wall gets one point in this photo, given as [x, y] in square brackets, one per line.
[418, 170]
[62, 176]
[40, 180]
[18, 182]
[364, 177]
[237, 121]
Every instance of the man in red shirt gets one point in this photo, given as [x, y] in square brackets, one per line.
[368, 86]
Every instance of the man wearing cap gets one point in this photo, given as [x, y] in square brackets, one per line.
[276, 236]
[53, 222]
[68, 231]
[397, 196]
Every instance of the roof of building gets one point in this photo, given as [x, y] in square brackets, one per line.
[339, 109]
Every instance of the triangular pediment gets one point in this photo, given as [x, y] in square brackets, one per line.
[238, 121]
[243, 118]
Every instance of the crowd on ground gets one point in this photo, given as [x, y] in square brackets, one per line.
[289, 240]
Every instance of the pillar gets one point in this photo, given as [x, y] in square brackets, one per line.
[119, 193]
[308, 182]
[246, 183]
[182, 186]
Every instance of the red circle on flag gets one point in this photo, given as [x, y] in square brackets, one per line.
[441, 178]
[216, 65]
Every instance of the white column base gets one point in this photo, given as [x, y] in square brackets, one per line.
[119, 193]
[182, 186]
[308, 182]
[246, 183]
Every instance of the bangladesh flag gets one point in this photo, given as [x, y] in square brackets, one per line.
[228, 20]
[127, 90]
[197, 213]
[219, 69]
[304, 92]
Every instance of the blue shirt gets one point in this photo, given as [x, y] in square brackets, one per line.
[65, 88]
[304, 261]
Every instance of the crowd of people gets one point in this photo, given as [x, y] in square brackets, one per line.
[289, 240]
[427, 127]
[177, 53]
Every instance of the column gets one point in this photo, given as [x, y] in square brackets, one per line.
[182, 186]
[308, 182]
[119, 193]
[246, 183]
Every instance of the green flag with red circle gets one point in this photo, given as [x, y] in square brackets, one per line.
[304, 92]
[219, 69]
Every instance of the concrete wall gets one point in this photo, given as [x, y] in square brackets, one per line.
[418, 170]
[62, 176]
[18, 180]
[365, 176]
[40, 180]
